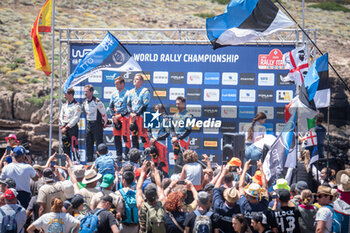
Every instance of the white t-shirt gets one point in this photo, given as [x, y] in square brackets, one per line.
[21, 173]
[10, 209]
[325, 214]
[259, 131]
[56, 222]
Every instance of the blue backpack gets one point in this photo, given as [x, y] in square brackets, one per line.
[89, 223]
[341, 222]
[131, 213]
[9, 224]
[202, 223]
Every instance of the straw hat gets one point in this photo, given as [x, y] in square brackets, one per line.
[91, 176]
[253, 190]
[325, 190]
[343, 180]
[231, 195]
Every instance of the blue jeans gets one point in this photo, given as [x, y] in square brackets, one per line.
[254, 153]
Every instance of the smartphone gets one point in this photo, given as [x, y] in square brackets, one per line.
[148, 164]
[233, 168]
[253, 162]
[63, 160]
[181, 182]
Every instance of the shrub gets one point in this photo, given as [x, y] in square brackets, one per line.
[12, 66]
[223, 2]
[330, 6]
[204, 15]
[19, 60]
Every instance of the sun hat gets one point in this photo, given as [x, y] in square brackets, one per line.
[324, 190]
[231, 195]
[281, 184]
[257, 178]
[253, 190]
[235, 162]
[68, 189]
[79, 171]
[91, 176]
[11, 135]
[343, 180]
[107, 180]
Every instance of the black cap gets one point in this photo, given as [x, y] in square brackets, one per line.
[77, 200]
[102, 148]
[107, 198]
[9, 182]
[284, 195]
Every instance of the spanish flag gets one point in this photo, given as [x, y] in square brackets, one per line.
[41, 24]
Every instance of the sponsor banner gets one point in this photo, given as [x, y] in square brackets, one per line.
[284, 96]
[81, 141]
[82, 124]
[229, 78]
[211, 130]
[211, 111]
[147, 75]
[279, 112]
[247, 79]
[271, 61]
[210, 143]
[244, 126]
[195, 143]
[177, 77]
[246, 112]
[195, 78]
[228, 111]
[172, 109]
[214, 158]
[268, 110]
[194, 109]
[194, 94]
[128, 76]
[280, 82]
[247, 95]
[265, 96]
[161, 92]
[160, 77]
[266, 79]
[95, 77]
[171, 158]
[175, 92]
[211, 78]
[107, 92]
[279, 128]
[228, 127]
[79, 92]
[229, 95]
[109, 76]
[98, 92]
[108, 140]
[269, 127]
[211, 94]
[82, 154]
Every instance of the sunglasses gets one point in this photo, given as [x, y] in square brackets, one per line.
[322, 195]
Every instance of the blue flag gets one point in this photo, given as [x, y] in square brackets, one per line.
[244, 21]
[277, 156]
[110, 54]
[317, 82]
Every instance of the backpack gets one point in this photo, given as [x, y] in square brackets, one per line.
[341, 221]
[131, 214]
[155, 218]
[202, 223]
[9, 223]
[89, 223]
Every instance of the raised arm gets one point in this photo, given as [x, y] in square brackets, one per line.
[242, 178]
[158, 181]
[139, 193]
[224, 170]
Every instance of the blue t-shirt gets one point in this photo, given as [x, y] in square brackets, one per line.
[105, 165]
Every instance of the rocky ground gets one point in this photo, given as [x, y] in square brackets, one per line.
[26, 91]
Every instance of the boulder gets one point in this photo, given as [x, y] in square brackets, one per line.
[6, 101]
[23, 109]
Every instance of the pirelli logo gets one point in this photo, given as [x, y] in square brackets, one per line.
[159, 93]
[210, 144]
[147, 77]
[173, 110]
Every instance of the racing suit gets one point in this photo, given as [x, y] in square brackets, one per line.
[118, 107]
[159, 155]
[138, 100]
[69, 118]
[95, 112]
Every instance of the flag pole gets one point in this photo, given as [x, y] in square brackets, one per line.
[52, 70]
[314, 44]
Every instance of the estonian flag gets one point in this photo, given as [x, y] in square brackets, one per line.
[110, 54]
[317, 83]
[245, 20]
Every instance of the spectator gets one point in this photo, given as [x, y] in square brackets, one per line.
[21, 173]
[107, 186]
[175, 217]
[12, 209]
[342, 205]
[192, 171]
[12, 143]
[105, 164]
[321, 134]
[106, 221]
[48, 192]
[299, 187]
[327, 175]
[225, 205]
[324, 215]
[307, 212]
[34, 185]
[154, 202]
[259, 223]
[79, 172]
[256, 130]
[91, 179]
[286, 217]
[134, 157]
[254, 199]
[56, 220]
[126, 208]
[240, 224]
[6, 184]
[210, 219]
